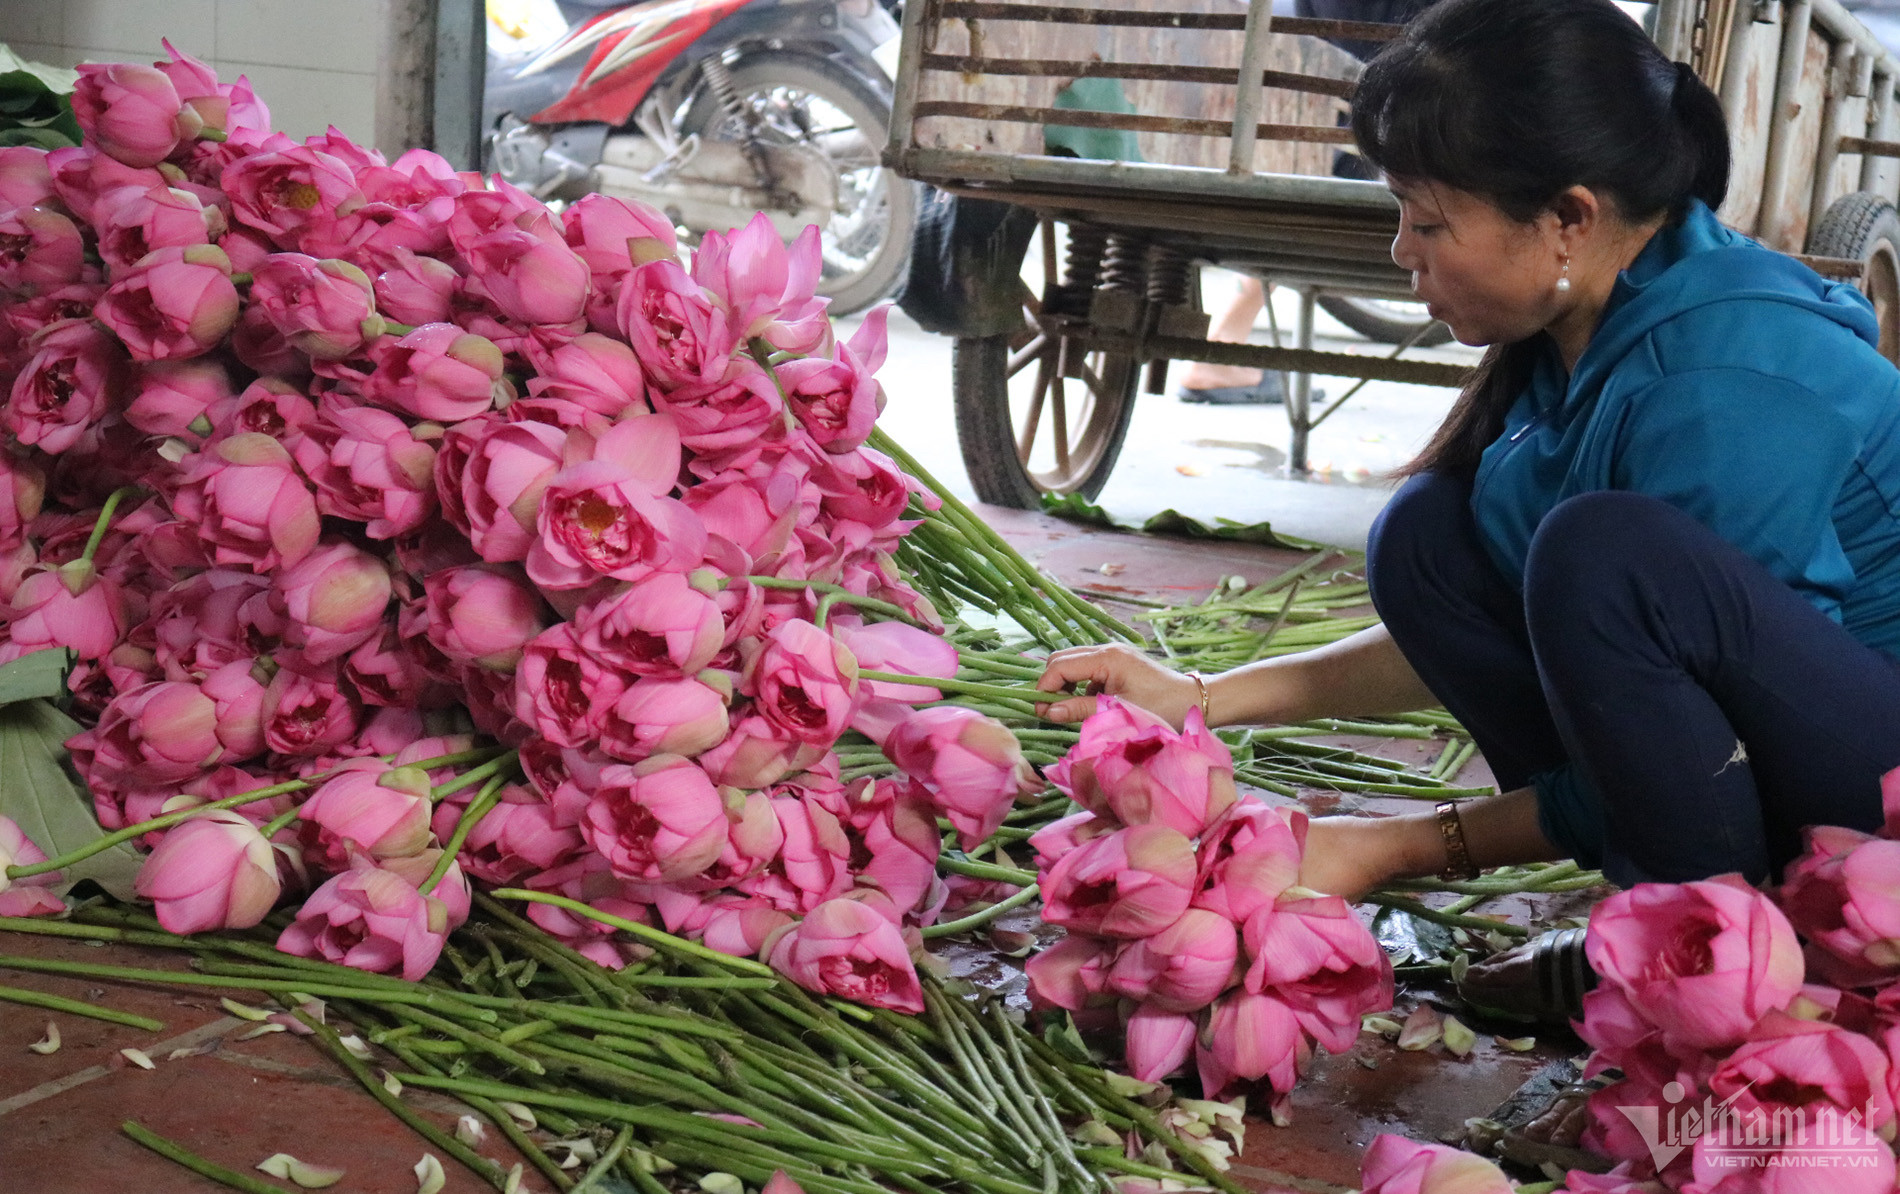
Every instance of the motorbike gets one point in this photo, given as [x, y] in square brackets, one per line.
[711, 111]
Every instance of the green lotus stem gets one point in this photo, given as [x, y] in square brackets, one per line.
[1449, 768]
[483, 804]
[281, 822]
[1448, 919]
[104, 521]
[179, 1153]
[607, 1160]
[977, 919]
[993, 691]
[73, 1007]
[474, 775]
[646, 933]
[985, 870]
[418, 996]
[707, 982]
[836, 594]
[474, 1040]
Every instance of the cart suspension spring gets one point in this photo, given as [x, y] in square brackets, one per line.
[1125, 264]
[1168, 274]
[1081, 269]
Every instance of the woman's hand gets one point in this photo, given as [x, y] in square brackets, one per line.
[1117, 670]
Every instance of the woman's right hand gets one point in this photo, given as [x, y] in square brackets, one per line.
[1116, 670]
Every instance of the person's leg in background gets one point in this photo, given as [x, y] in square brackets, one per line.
[1224, 385]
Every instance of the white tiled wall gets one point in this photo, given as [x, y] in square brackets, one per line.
[312, 61]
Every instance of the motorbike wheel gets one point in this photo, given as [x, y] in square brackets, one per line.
[1384, 321]
[800, 98]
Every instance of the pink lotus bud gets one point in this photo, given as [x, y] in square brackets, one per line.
[901, 838]
[595, 372]
[1316, 956]
[1136, 768]
[1843, 895]
[562, 691]
[24, 177]
[806, 682]
[846, 949]
[530, 273]
[1072, 974]
[66, 387]
[212, 871]
[417, 290]
[174, 396]
[766, 288]
[614, 236]
[863, 486]
[1397, 1165]
[437, 372]
[1158, 1042]
[28, 896]
[483, 615]
[1247, 1037]
[672, 717]
[368, 466]
[334, 600]
[47, 613]
[1249, 857]
[757, 753]
[519, 836]
[741, 928]
[81, 175]
[813, 864]
[373, 919]
[659, 821]
[248, 503]
[1054, 841]
[508, 468]
[39, 247]
[1702, 961]
[130, 112]
[134, 221]
[1132, 883]
[680, 337]
[838, 401]
[290, 193]
[907, 650]
[308, 714]
[971, 765]
[1183, 967]
[659, 626]
[321, 307]
[238, 696]
[158, 733]
[367, 808]
[174, 303]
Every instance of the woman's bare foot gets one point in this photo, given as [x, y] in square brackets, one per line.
[1203, 376]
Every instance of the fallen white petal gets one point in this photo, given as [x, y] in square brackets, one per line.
[354, 1045]
[244, 1011]
[264, 1029]
[48, 1043]
[470, 1131]
[138, 1058]
[391, 1083]
[429, 1176]
[513, 1184]
[521, 1114]
[1459, 1040]
[1422, 1029]
[310, 1177]
[1518, 1044]
[1383, 1025]
[721, 1183]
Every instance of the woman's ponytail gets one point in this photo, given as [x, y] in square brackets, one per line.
[1704, 131]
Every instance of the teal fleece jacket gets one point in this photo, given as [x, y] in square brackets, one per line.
[1741, 387]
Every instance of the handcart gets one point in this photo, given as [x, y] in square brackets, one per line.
[1114, 136]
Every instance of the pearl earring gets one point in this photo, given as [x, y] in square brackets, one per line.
[1563, 280]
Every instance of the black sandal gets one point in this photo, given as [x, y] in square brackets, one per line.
[1561, 976]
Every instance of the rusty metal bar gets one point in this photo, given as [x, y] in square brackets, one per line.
[1870, 147]
[1781, 126]
[1232, 22]
[1263, 356]
[1059, 68]
[1847, 269]
[909, 77]
[1130, 121]
[1879, 125]
[1841, 69]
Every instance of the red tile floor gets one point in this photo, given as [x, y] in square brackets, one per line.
[241, 1101]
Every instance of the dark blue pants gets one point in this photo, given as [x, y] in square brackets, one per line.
[1681, 711]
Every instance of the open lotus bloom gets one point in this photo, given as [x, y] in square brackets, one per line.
[1843, 896]
[846, 948]
[1396, 1165]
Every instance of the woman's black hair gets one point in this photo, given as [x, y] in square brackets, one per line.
[1517, 101]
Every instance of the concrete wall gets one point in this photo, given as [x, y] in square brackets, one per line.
[312, 61]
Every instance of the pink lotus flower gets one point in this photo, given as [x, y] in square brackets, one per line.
[562, 691]
[248, 503]
[758, 753]
[324, 308]
[741, 927]
[1157, 1042]
[972, 766]
[1703, 961]
[608, 517]
[1182, 968]
[417, 290]
[615, 236]
[814, 863]
[437, 372]
[1132, 883]
[659, 626]
[1843, 895]
[508, 467]
[1139, 773]
[482, 615]
[901, 838]
[766, 289]
[66, 386]
[158, 733]
[1247, 1037]
[27, 896]
[519, 836]
[906, 650]
[1396, 1165]
[373, 919]
[1788, 1067]
[1858, 1162]
[1312, 952]
[1250, 857]
[131, 112]
[529, 273]
[1073, 973]
[733, 413]
[309, 714]
[72, 606]
[334, 600]
[367, 808]
[1054, 841]
[754, 838]
[664, 717]
[24, 177]
[134, 221]
[81, 175]
[846, 949]
[174, 303]
[805, 681]
[368, 466]
[174, 395]
[289, 193]
[211, 871]
[659, 821]
[594, 372]
[680, 337]
[838, 401]
[39, 247]
[863, 486]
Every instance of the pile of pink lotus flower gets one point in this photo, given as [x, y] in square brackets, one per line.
[1184, 914]
[1750, 1064]
[323, 465]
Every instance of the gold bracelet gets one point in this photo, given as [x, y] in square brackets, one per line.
[1201, 684]
[1452, 829]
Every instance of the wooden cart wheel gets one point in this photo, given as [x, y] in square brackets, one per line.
[1026, 430]
[1864, 227]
